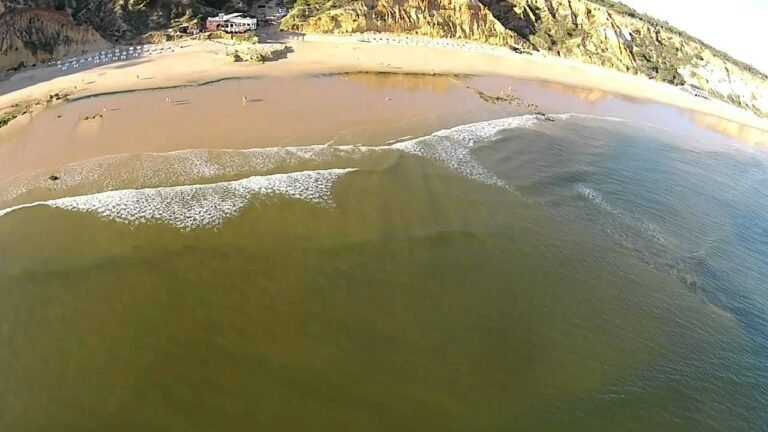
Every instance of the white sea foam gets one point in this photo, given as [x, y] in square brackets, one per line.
[452, 147]
[137, 185]
[400, 139]
[198, 206]
[594, 196]
[145, 170]
[647, 228]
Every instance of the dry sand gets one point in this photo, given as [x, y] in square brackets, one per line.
[286, 106]
[201, 61]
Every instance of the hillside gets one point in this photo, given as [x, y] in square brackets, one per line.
[600, 32]
[36, 31]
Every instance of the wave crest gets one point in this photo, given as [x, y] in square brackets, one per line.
[198, 206]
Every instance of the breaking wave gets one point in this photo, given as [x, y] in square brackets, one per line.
[146, 170]
[198, 206]
[452, 147]
[171, 188]
[449, 147]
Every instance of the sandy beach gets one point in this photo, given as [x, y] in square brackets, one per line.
[389, 88]
[350, 109]
[204, 61]
[378, 236]
[313, 109]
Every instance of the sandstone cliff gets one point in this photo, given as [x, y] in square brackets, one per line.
[448, 19]
[601, 32]
[29, 36]
[35, 31]
[598, 31]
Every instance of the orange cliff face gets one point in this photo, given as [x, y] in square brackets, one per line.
[31, 36]
[464, 19]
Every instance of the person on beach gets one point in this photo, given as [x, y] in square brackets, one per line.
[245, 99]
[168, 100]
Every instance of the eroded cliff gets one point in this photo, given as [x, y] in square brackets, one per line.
[605, 34]
[29, 36]
[35, 31]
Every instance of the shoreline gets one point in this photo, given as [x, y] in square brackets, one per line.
[205, 62]
[354, 109]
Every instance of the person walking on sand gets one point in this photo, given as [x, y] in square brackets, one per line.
[245, 99]
[168, 100]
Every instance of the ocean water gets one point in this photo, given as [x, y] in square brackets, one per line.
[581, 274]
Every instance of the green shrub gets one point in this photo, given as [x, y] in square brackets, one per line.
[7, 118]
[626, 10]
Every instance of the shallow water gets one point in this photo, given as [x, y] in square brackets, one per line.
[584, 274]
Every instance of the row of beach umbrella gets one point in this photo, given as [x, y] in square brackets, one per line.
[111, 55]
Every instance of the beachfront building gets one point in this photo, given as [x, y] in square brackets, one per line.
[232, 23]
[240, 25]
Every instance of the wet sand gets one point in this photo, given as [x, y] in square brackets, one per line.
[200, 62]
[298, 111]
[348, 109]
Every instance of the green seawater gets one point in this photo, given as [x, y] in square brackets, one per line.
[574, 275]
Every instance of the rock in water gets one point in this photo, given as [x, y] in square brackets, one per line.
[543, 116]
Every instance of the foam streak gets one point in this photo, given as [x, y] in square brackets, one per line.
[198, 206]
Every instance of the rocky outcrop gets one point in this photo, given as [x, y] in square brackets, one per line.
[606, 34]
[35, 31]
[445, 19]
